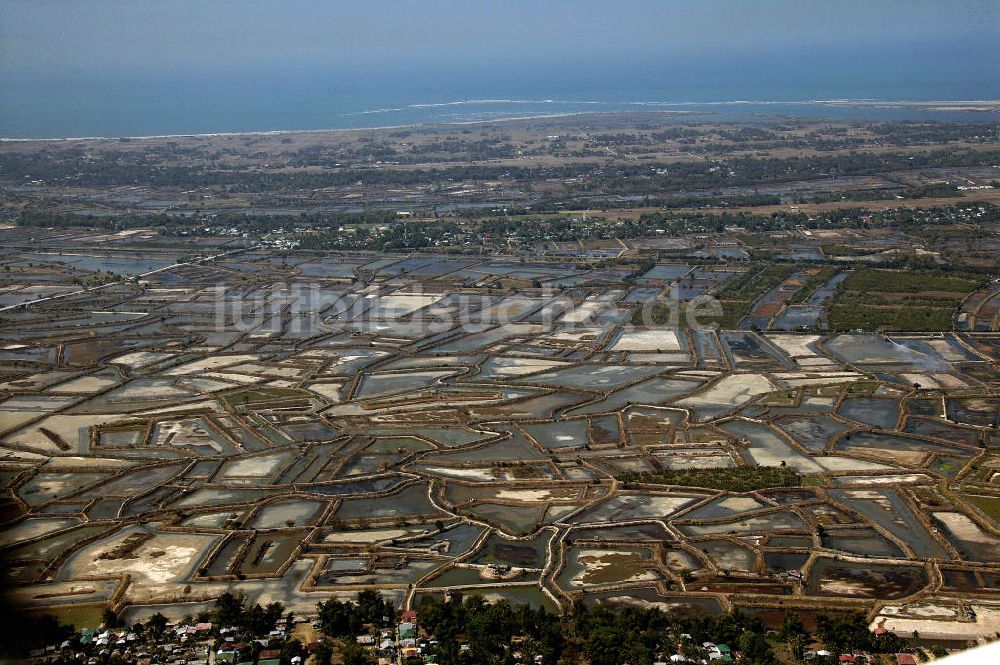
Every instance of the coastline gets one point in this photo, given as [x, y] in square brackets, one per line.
[290, 132]
[986, 106]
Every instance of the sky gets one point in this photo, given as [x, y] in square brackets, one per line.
[136, 67]
[77, 39]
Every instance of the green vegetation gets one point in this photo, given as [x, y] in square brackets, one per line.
[935, 190]
[732, 313]
[596, 636]
[736, 298]
[988, 505]
[114, 169]
[755, 283]
[346, 619]
[737, 479]
[912, 300]
[845, 317]
[845, 250]
[23, 631]
[635, 635]
[251, 620]
[850, 633]
[476, 231]
[262, 395]
[894, 281]
[863, 387]
[938, 189]
[742, 292]
[470, 629]
[813, 284]
[780, 398]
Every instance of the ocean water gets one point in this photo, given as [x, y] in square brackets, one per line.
[85, 103]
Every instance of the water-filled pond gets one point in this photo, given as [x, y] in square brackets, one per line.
[877, 412]
[863, 542]
[829, 577]
[813, 432]
[887, 509]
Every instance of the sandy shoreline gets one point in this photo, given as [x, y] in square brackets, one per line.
[955, 106]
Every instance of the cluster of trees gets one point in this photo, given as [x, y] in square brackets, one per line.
[848, 633]
[252, 620]
[20, 632]
[914, 132]
[492, 632]
[396, 236]
[939, 190]
[750, 171]
[850, 195]
[601, 636]
[904, 318]
[489, 629]
[344, 618]
[894, 281]
[909, 220]
[827, 138]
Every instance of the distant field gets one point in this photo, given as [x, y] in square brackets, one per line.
[894, 300]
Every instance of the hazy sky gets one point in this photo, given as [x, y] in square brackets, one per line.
[133, 67]
[83, 38]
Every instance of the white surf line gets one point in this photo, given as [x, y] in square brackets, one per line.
[861, 103]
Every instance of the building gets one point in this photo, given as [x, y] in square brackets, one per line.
[407, 630]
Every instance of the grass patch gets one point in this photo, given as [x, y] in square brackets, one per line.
[89, 615]
[780, 398]
[519, 470]
[988, 505]
[863, 387]
[845, 250]
[738, 479]
[815, 481]
[262, 395]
